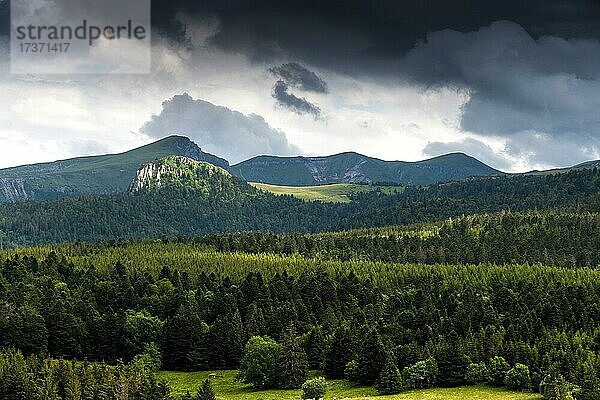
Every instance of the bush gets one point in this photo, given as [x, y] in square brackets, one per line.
[390, 381]
[150, 360]
[498, 367]
[477, 373]
[556, 388]
[314, 388]
[140, 328]
[351, 371]
[518, 377]
[259, 365]
[421, 375]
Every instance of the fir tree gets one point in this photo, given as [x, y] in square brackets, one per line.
[293, 365]
[371, 358]
[390, 380]
[339, 353]
[205, 392]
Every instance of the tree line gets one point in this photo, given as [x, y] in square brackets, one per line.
[553, 237]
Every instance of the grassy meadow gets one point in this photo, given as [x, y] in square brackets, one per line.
[334, 193]
[228, 388]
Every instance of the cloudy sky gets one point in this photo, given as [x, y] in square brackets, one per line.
[513, 83]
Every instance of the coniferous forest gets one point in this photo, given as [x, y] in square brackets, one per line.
[490, 281]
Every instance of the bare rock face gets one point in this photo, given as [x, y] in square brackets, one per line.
[322, 173]
[150, 174]
[12, 190]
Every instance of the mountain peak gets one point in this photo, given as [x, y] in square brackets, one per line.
[184, 146]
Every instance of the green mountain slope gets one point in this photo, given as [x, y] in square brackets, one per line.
[171, 196]
[92, 175]
[356, 168]
[179, 197]
[578, 167]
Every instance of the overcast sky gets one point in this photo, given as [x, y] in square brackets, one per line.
[513, 83]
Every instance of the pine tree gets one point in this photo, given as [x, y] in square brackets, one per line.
[452, 362]
[293, 365]
[390, 380]
[371, 358]
[314, 345]
[339, 353]
[205, 392]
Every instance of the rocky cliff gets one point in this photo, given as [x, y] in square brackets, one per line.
[12, 190]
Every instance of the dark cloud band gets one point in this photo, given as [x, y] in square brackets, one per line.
[296, 104]
[299, 77]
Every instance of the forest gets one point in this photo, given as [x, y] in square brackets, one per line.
[522, 326]
[231, 205]
[489, 281]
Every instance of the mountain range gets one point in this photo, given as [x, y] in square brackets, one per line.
[356, 168]
[114, 173]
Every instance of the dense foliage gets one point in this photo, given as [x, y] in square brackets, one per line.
[433, 322]
[555, 237]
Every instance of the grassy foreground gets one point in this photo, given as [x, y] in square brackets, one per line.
[227, 388]
[334, 193]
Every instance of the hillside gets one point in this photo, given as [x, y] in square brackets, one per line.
[332, 193]
[184, 173]
[110, 173]
[171, 196]
[357, 168]
[206, 202]
[113, 173]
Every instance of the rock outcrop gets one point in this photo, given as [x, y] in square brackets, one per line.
[177, 171]
[12, 190]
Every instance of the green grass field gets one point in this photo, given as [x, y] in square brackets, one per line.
[334, 193]
[227, 388]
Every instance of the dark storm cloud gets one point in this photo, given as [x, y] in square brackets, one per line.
[296, 104]
[299, 77]
[535, 74]
[219, 130]
[350, 35]
[4, 18]
[537, 93]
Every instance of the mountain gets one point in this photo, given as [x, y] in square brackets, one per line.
[92, 175]
[169, 197]
[357, 168]
[578, 167]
